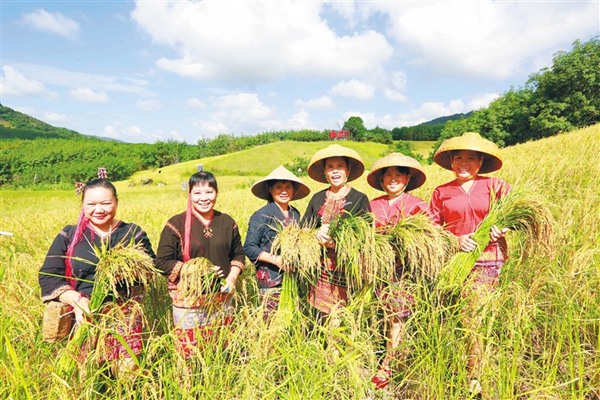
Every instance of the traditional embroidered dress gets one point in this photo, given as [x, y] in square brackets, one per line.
[84, 262]
[396, 299]
[259, 239]
[461, 213]
[221, 244]
[330, 289]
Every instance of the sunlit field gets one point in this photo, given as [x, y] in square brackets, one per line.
[541, 326]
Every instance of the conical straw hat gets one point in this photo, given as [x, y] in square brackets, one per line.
[259, 189]
[492, 160]
[417, 176]
[316, 169]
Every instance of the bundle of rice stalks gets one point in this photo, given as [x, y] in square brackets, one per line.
[364, 253]
[119, 269]
[422, 246]
[521, 210]
[300, 254]
[198, 277]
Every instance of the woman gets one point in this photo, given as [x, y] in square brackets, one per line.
[335, 165]
[200, 231]
[460, 206]
[70, 265]
[396, 175]
[278, 188]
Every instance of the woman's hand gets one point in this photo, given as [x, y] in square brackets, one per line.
[229, 285]
[496, 233]
[82, 310]
[466, 244]
[275, 260]
[324, 238]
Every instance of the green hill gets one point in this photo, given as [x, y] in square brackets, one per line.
[16, 125]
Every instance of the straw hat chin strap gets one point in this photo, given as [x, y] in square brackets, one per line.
[396, 194]
[345, 180]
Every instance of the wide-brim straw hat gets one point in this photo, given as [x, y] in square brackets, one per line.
[316, 170]
[259, 189]
[417, 176]
[492, 160]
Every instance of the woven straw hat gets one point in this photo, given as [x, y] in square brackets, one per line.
[259, 189]
[492, 161]
[417, 176]
[316, 169]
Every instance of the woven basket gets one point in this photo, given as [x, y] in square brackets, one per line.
[417, 175]
[58, 321]
[492, 160]
[316, 169]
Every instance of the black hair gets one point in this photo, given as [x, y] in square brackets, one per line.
[203, 177]
[100, 182]
[346, 160]
[274, 182]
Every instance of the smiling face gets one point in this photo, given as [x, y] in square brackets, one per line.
[204, 198]
[282, 192]
[394, 181]
[336, 171]
[466, 164]
[100, 207]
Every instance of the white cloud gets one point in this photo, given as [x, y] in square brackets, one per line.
[426, 112]
[395, 86]
[148, 105]
[486, 38]
[129, 133]
[195, 103]
[56, 23]
[321, 103]
[24, 109]
[354, 88]
[245, 113]
[75, 80]
[86, 95]
[55, 117]
[15, 83]
[256, 42]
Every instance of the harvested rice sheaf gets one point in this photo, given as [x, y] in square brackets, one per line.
[364, 253]
[124, 266]
[299, 250]
[422, 246]
[520, 210]
[198, 277]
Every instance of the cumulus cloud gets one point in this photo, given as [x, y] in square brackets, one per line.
[15, 83]
[426, 112]
[149, 105]
[55, 117]
[86, 95]
[395, 86]
[321, 103]
[74, 80]
[256, 42]
[55, 23]
[486, 39]
[129, 133]
[24, 109]
[195, 103]
[245, 113]
[354, 88]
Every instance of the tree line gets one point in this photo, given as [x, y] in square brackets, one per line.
[561, 98]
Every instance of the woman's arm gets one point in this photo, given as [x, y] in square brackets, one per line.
[51, 277]
[238, 259]
[169, 258]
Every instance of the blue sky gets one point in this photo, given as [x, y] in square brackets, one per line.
[142, 71]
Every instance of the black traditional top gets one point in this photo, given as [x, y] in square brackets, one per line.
[52, 274]
[262, 230]
[220, 243]
[355, 203]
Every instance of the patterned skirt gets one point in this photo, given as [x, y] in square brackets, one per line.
[198, 327]
[330, 290]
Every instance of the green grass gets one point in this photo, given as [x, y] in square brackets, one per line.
[540, 329]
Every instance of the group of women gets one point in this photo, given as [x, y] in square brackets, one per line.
[201, 231]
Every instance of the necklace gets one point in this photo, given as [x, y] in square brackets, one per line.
[208, 232]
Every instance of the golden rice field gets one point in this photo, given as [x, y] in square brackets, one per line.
[541, 327]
